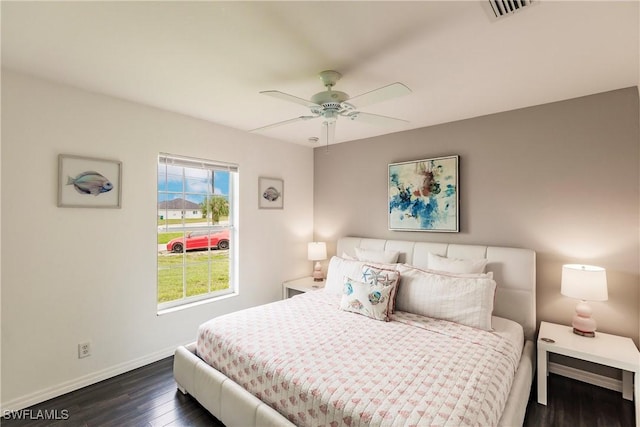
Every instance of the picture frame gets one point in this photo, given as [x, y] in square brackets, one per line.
[270, 193]
[89, 182]
[423, 195]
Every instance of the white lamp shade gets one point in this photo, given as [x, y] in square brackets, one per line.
[584, 282]
[316, 251]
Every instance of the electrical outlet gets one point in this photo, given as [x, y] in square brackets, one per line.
[84, 350]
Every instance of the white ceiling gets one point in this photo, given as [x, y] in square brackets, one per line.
[210, 59]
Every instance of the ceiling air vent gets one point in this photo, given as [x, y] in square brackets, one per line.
[508, 7]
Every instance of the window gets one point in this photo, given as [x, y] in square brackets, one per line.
[196, 229]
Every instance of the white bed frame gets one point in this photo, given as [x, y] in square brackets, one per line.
[514, 271]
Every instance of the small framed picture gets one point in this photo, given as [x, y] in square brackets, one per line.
[270, 193]
[87, 182]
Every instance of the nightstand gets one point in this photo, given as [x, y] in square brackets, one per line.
[605, 349]
[305, 284]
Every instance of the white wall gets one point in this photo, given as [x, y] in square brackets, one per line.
[72, 275]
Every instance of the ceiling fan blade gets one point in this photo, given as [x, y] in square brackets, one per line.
[328, 131]
[272, 125]
[393, 90]
[375, 119]
[290, 98]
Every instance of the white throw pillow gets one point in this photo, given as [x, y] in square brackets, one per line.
[456, 265]
[370, 255]
[464, 300]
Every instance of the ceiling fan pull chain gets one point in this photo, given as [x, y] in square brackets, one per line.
[327, 146]
[327, 138]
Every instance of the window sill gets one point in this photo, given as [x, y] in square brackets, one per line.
[195, 304]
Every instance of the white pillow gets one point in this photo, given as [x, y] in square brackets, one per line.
[370, 255]
[464, 300]
[337, 270]
[488, 274]
[347, 256]
[456, 265]
[371, 300]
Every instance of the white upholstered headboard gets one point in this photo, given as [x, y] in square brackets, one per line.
[514, 271]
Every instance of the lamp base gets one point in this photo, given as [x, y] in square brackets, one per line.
[317, 273]
[583, 324]
[584, 333]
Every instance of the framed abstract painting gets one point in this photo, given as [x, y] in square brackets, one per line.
[423, 195]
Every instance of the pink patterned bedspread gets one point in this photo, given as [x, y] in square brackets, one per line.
[319, 366]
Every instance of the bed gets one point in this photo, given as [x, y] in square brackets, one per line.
[254, 392]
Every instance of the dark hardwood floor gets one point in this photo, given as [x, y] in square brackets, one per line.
[148, 397]
[143, 397]
[574, 403]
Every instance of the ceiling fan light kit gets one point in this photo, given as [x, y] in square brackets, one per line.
[331, 104]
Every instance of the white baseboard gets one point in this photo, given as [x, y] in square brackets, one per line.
[584, 376]
[75, 384]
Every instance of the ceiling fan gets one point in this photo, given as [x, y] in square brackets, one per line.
[331, 104]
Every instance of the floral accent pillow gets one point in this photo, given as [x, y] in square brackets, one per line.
[385, 277]
[370, 300]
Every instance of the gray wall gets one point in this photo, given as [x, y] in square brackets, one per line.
[562, 179]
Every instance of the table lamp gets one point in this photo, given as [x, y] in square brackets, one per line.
[317, 251]
[586, 283]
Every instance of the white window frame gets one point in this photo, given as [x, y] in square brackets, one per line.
[233, 169]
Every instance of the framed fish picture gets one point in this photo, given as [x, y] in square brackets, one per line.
[423, 195]
[270, 193]
[87, 182]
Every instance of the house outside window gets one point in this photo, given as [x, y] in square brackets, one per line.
[196, 230]
[173, 209]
